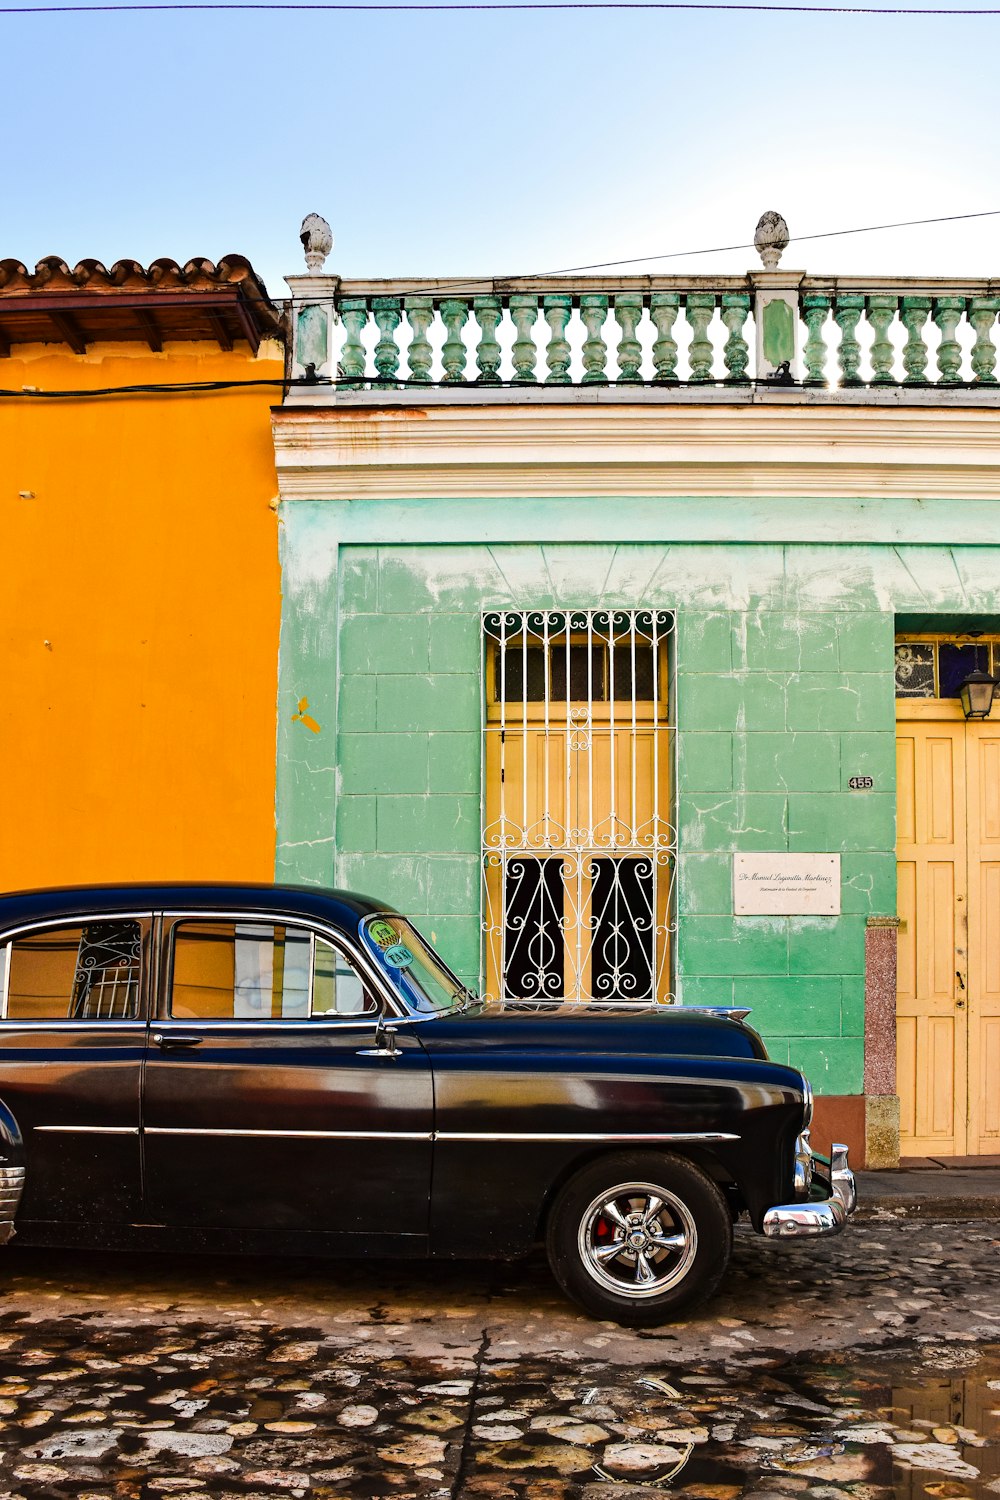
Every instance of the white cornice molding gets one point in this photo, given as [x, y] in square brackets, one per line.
[529, 451]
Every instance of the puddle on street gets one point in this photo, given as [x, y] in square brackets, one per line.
[255, 1411]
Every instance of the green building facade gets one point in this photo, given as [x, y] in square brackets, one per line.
[817, 530]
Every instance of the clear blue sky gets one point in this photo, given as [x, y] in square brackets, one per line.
[497, 143]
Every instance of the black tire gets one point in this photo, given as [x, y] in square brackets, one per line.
[583, 1223]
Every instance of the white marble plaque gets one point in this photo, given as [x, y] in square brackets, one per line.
[786, 885]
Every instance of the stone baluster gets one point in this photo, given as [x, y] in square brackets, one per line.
[815, 309]
[847, 314]
[558, 306]
[913, 317]
[881, 311]
[489, 311]
[982, 316]
[454, 314]
[420, 355]
[524, 311]
[628, 311]
[736, 354]
[947, 313]
[593, 311]
[700, 308]
[663, 309]
[387, 319]
[354, 316]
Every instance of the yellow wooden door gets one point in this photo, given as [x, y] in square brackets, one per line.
[983, 994]
[933, 979]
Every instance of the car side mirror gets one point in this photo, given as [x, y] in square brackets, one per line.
[385, 1042]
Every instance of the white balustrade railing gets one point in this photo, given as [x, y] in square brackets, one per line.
[773, 327]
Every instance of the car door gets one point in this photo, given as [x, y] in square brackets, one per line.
[272, 1100]
[72, 1041]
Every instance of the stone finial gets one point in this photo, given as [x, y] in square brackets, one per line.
[317, 241]
[771, 238]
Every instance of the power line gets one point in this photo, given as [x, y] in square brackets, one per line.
[826, 234]
[453, 285]
[372, 384]
[499, 5]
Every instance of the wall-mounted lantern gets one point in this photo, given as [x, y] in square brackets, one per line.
[976, 693]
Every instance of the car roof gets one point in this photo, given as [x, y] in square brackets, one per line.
[342, 908]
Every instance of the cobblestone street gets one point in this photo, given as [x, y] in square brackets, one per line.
[868, 1365]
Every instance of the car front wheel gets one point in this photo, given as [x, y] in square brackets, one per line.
[639, 1237]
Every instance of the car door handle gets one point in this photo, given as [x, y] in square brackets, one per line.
[170, 1039]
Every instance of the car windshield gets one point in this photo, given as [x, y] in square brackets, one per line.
[425, 983]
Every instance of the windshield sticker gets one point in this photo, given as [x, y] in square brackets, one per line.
[399, 956]
[382, 934]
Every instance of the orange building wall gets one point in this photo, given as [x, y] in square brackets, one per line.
[139, 611]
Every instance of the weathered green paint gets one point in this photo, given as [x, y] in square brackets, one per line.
[881, 311]
[312, 336]
[439, 316]
[558, 353]
[489, 311]
[628, 311]
[354, 316]
[454, 313]
[815, 310]
[700, 311]
[736, 354]
[593, 311]
[387, 315]
[420, 355]
[847, 313]
[684, 518]
[305, 804]
[524, 313]
[663, 309]
[983, 315]
[783, 692]
[947, 315]
[778, 332]
[914, 316]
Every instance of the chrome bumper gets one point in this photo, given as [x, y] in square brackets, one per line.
[820, 1215]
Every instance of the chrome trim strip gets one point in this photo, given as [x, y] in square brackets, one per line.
[107, 1023]
[427, 1135]
[582, 1135]
[88, 1129]
[298, 1135]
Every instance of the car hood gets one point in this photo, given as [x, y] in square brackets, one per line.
[657, 1031]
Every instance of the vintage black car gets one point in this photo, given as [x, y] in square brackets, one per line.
[266, 1068]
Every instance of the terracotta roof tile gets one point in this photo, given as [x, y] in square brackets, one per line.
[199, 299]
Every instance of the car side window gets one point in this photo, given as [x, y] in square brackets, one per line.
[259, 970]
[90, 972]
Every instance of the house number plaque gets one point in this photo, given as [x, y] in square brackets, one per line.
[786, 885]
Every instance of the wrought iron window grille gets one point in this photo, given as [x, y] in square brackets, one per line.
[579, 842]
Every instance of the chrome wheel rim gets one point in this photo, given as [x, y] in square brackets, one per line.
[637, 1240]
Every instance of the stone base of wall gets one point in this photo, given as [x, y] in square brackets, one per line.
[868, 1124]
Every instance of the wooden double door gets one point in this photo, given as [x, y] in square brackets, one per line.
[948, 874]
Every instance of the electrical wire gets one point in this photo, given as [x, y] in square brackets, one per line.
[372, 383]
[505, 5]
[182, 387]
[496, 281]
